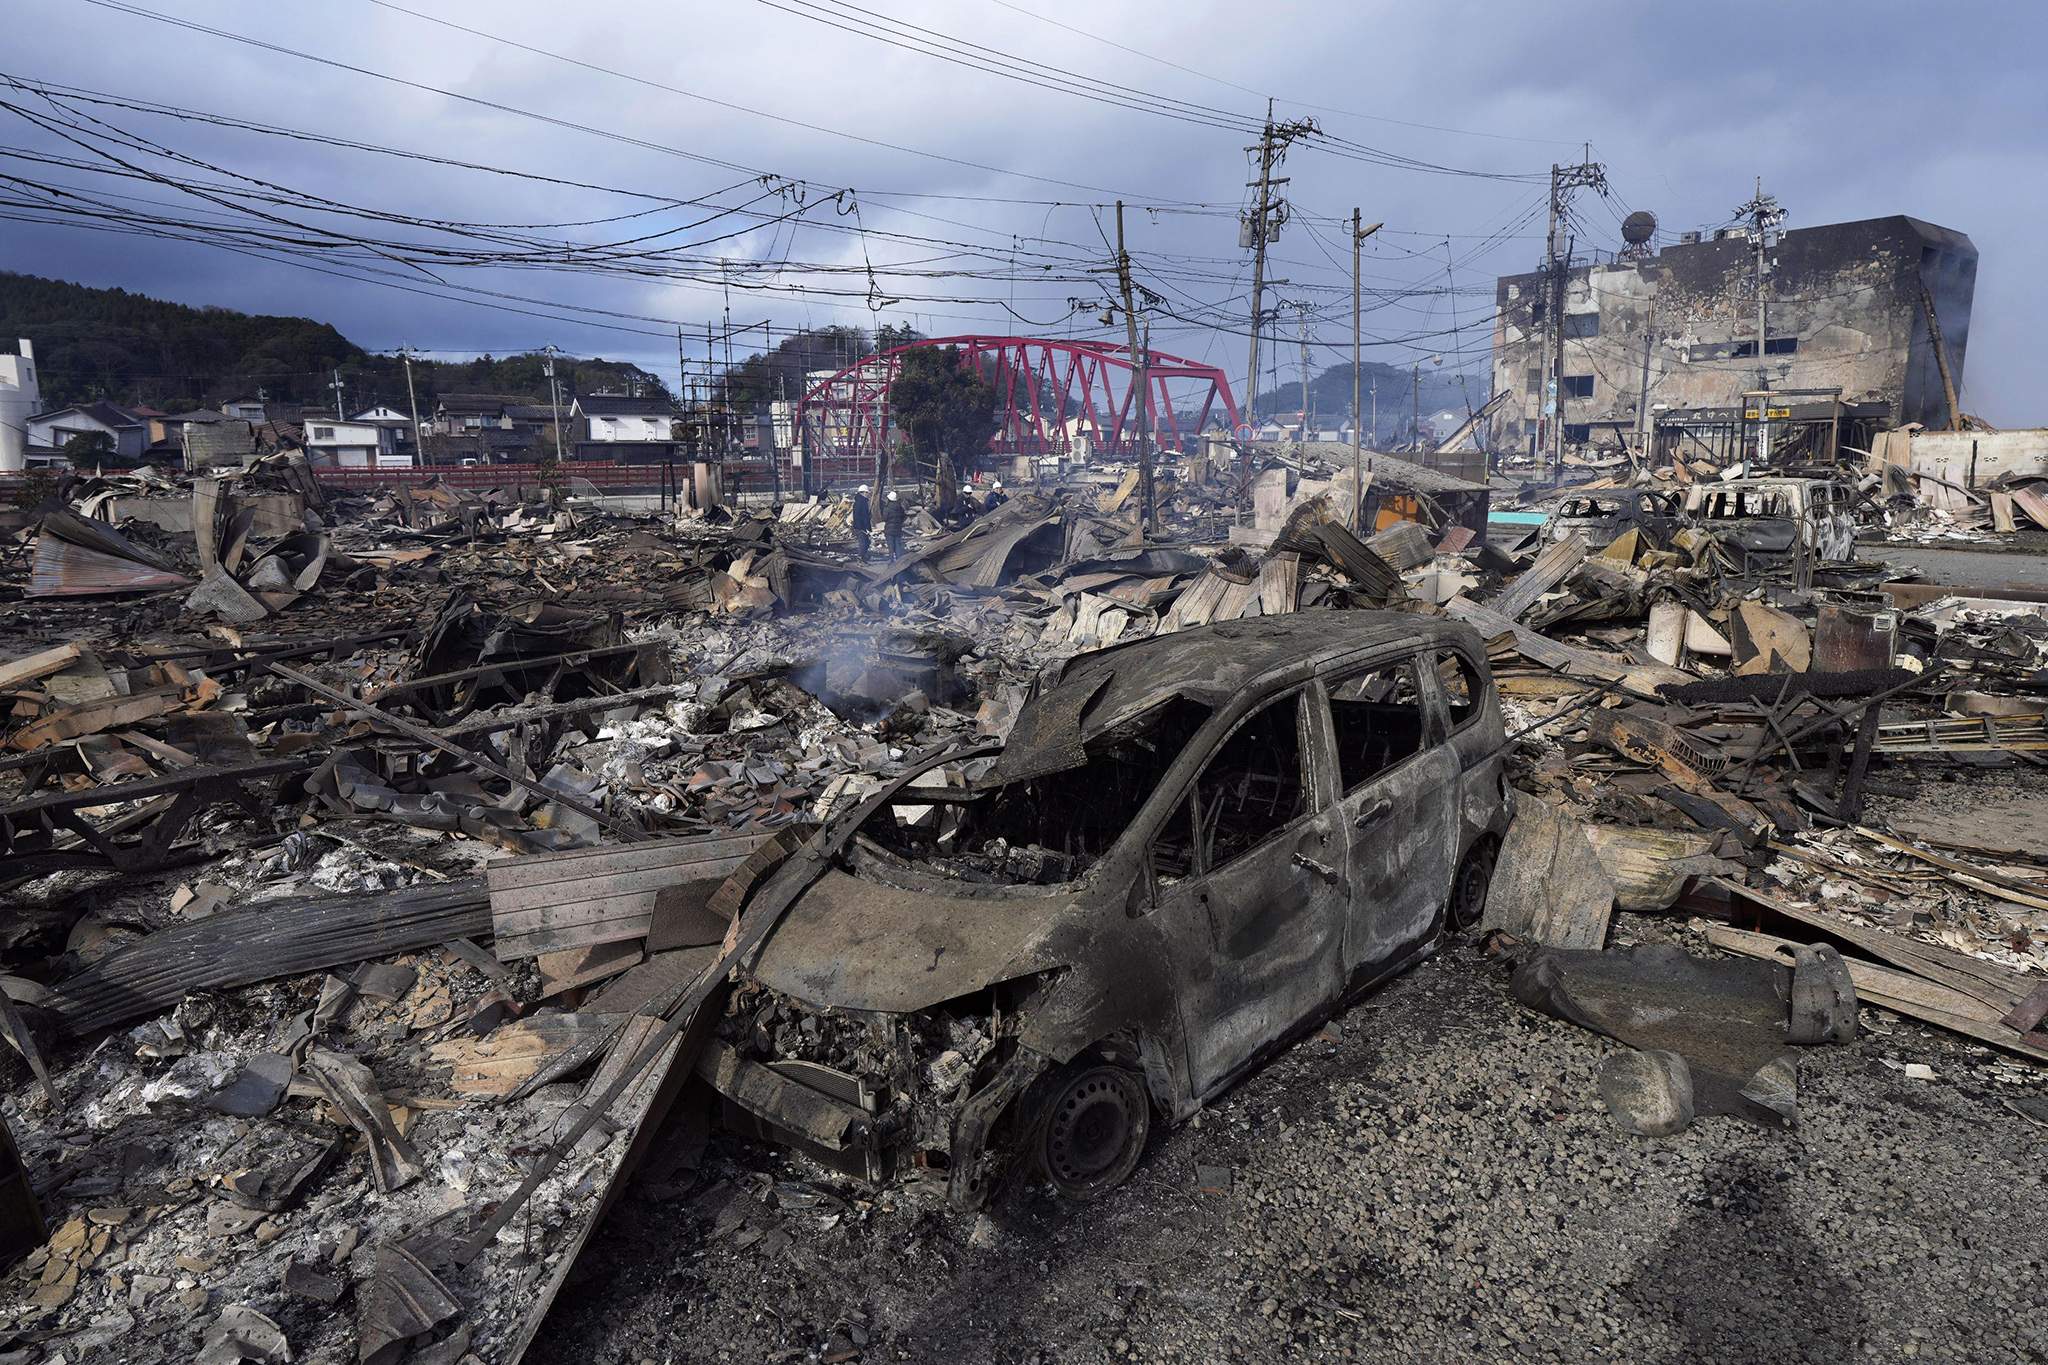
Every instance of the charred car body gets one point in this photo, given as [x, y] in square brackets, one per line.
[1603, 516]
[1192, 848]
[1766, 523]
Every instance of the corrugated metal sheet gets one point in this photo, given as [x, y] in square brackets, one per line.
[63, 568]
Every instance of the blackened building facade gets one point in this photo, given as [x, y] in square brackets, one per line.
[1844, 312]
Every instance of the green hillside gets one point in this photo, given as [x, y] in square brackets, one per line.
[109, 343]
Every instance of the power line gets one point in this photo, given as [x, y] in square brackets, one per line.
[1269, 95]
[867, 23]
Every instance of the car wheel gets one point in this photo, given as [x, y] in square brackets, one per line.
[1468, 889]
[1091, 1129]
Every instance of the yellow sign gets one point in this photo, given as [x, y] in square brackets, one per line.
[1769, 414]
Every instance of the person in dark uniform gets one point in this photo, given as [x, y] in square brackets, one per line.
[892, 523]
[863, 522]
[996, 497]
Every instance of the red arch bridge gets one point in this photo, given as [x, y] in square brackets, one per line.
[1055, 398]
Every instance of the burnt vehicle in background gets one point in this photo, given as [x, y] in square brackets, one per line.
[1767, 523]
[1604, 515]
[1193, 848]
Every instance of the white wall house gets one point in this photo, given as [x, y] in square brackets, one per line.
[355, 445]
[19, 398]
[127, 434]
[610, 419]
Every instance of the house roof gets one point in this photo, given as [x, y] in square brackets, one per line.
[201, 415]
[105, 413]
[476, 402]
[614, 405]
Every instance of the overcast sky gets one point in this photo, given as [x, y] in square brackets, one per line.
[1847, 110]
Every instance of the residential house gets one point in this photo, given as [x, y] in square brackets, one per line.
[255, 411]
[127, 434]
[457, 413]
[354, 445]
[625, 430]
[398, 423]
[167, 429]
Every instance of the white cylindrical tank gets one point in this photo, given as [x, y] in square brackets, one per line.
[20, 399]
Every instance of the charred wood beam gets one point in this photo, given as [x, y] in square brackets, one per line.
[470, 756]
[29, 829]
[577, 658]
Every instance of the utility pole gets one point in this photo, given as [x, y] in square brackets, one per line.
[1415, 396]
[1643, 388]
[1358, 236]
[1588, 174]
[554, 399]
[710, 354]
[419, 441]
[1375, 411]
[1141, 393]
[1764, 214]
[1144, 378]
[337, 386]
[1301, 329]
[1262, 225]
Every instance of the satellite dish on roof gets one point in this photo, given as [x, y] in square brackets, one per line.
[1638, 227]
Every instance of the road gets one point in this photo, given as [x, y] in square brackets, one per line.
[1968, 566]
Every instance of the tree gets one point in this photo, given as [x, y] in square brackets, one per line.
[944, 405]
[87, 449]
[893, 334]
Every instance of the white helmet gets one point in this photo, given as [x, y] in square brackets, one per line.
[892, 495]
[863, 488]
[999, 483]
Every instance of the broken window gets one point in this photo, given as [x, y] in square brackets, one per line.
[1250, 789]
[1781, 345]
[1582, 324]
[1578, 386]
[1045, 829]
[1578, 433]
[1460, 683]
[1378, 718]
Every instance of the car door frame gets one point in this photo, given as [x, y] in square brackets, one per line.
[1200, 934]
[1429, 782]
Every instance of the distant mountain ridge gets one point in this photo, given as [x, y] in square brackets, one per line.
[110, 343]
[1330, 395]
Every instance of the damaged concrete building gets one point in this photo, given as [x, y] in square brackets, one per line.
[1675, 332]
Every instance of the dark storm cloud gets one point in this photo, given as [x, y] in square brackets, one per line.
[1846, 111]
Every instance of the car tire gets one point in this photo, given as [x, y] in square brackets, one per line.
[1089, 1128]
[1467, 903]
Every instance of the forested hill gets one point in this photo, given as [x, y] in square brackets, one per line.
[109, 343]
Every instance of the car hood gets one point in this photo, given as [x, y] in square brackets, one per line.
[852, 943]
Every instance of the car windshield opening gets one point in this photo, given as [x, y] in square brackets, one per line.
[1044, 829]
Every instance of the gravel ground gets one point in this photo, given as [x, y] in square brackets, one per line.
[1434, 1178]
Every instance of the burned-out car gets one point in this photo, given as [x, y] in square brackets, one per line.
[1768, 522]
[1603, 516]
[1192, 848]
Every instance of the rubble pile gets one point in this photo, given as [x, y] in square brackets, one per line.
[367, 858]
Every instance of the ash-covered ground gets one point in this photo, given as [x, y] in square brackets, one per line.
[1432, 1178]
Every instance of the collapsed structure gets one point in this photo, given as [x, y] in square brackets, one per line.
[393, 877]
